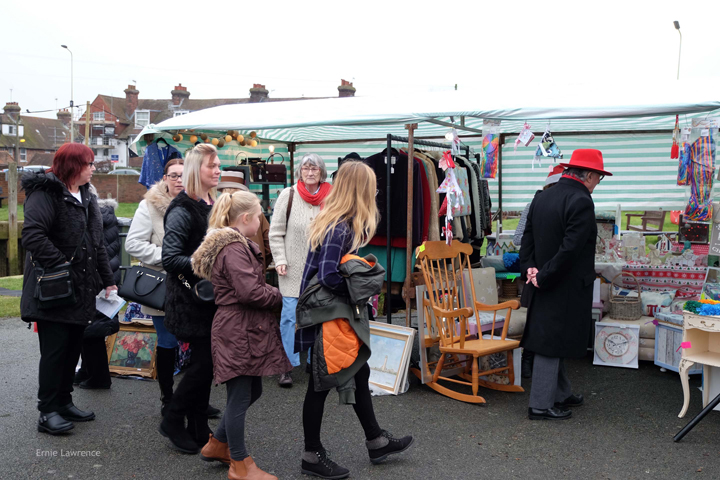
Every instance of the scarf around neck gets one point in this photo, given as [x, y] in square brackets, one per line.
[316, 199]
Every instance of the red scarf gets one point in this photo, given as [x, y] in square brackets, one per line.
[316, 199]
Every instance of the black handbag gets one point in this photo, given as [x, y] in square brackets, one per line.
[54, 287]
[144, 286]
[202, 292]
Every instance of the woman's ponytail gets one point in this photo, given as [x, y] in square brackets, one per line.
[229, 206]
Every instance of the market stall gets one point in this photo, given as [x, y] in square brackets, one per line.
[484, 124]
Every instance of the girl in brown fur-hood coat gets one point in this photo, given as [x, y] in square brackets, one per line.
[245, 337]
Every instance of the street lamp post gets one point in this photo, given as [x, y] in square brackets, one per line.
[677, 27]
[72, 103]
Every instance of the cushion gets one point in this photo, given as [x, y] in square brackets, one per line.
[495, 262]
[652, 301]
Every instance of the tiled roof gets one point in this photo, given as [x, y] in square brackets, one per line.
[39, 133]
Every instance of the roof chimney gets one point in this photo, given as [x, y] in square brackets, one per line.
[12, 109]
[131, 100]
[179, 94]
[64, 116]
[346, 89]
[258, 93]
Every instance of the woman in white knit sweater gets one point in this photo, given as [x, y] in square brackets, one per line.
[295, 208]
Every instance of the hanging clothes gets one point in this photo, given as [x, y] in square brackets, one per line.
[699, 206]
[434, 224]
[154, 160]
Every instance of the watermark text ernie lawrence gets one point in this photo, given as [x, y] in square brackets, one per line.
[67, 453]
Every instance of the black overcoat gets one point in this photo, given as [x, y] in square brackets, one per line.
[559, 241]
[53, 227]
[186, 223]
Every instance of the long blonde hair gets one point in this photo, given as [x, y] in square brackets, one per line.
[229, 206]
[351, 200]
[191, 168]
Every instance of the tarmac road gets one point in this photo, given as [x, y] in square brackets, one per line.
[624, 431]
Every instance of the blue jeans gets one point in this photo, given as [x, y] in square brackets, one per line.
[165, 339]
[287, 329]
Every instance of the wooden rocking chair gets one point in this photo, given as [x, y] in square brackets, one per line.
[443, 269]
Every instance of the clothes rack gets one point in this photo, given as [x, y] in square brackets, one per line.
[408, 286]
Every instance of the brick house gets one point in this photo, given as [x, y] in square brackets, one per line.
[116, 121]
[43, 136]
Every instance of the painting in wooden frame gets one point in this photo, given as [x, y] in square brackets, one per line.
[391, 347]
[131, 351]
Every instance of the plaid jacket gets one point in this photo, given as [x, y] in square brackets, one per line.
[325, 263]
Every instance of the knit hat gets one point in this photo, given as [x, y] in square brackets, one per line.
[554, 175]
[230, 179]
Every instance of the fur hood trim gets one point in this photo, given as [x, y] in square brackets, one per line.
[48, 182]
[107, 202]
[216, 239]
[158, 197]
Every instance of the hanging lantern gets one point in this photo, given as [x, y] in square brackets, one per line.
[193, 139]
[215, 141]
[220, 144]
[253, 143]
[228, 138]
[204, 136]
[180, 137]
[206, 140]
[176, 138]
[240, 139]
[253, 134]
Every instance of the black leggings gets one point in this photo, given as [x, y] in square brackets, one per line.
[314, 407]
[242, 392]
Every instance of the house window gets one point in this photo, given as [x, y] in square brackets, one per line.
[23, 155]
[11, 129]
[142, 118]
[106, 152]
[180, 112]
[99, 116]
[106, 141]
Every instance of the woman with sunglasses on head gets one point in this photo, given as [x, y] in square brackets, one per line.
[63, 224]
[144, 242]
[295, 208]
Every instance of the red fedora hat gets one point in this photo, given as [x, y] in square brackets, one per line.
[587, 159]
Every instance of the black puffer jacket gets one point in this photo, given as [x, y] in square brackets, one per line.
[54, 222]
[104, 326]
[186, 222]
[111, 235]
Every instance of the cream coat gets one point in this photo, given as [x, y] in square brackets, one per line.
[289, 242]
[145, 237]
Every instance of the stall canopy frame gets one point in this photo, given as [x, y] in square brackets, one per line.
[628, 108]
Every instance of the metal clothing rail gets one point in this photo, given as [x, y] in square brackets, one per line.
[408, 286]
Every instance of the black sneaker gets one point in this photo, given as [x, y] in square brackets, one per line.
[323, 467]
[394, 445]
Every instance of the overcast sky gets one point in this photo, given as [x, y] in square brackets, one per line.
[304, 48]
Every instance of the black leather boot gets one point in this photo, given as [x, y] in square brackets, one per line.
[528, 358]
[165, 364]
[173, 428]
[53, 423]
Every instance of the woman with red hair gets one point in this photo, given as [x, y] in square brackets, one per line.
[63, 224]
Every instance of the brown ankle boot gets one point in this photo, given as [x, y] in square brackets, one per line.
[247, 470]
[215, 451]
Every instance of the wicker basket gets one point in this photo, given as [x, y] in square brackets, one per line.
[625, 308]
[509, 288]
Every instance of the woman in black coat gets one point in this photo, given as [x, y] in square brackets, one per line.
[58, 208]
[94, 372]
[186, 222]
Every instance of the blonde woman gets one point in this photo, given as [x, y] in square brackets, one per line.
[245, 336]
[186, 222]
[346, 223]
[295, 208]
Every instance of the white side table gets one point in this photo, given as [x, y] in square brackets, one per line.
[703, 333]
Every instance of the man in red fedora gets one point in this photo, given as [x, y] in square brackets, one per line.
[557, 257]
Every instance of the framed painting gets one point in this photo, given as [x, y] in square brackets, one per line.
[391, 346]
[131, 351]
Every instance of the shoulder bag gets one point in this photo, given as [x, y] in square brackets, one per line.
[54, 287]
[202, 292]
[144, 286]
